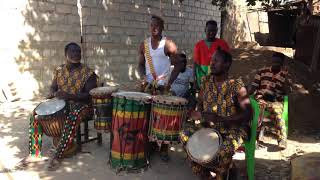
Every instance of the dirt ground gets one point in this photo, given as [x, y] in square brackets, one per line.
[92, 162]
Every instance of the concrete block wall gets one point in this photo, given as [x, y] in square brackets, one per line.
[35, 32]
[113, 30]
[33, 38]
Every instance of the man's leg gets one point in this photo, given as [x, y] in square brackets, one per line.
[279, 128]
[232, 140]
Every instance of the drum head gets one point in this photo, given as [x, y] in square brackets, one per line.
[50, 107]
[138, 96]
[103, 90]
[203, 145]
[164, 99]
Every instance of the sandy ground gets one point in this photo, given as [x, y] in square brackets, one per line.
[92, 162]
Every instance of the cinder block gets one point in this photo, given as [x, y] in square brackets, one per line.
[72, 2]
[63, 9]
[90, 20]
[73, 19]
[46, 7]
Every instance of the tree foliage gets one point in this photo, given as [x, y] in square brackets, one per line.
[265, 3]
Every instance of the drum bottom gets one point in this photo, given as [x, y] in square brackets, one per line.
[102, 126]
[128, 162]
[160, 135]
[70, 150]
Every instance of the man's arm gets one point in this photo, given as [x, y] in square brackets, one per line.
[53, 89]
[255, 84]
[171, 51]
[142, 62]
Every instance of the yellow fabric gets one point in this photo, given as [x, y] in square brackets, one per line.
[73, 81]
[128, 114]
[149, 59]
[166, 132]
[167, 112]
[220, 100]
[127, 156]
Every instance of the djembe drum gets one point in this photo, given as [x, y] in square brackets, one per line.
[51, 115]
[168, 114]
[102, 104]
[131, 111]
[203, 145]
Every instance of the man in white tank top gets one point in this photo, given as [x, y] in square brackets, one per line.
[155, 55]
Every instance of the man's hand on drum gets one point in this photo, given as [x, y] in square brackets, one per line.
[50, 95]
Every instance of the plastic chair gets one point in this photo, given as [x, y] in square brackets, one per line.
[285, 113]
[250, 145]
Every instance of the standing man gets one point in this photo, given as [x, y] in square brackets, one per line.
[156, 54]
[204, 50]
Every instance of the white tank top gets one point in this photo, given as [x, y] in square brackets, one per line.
[160, 62]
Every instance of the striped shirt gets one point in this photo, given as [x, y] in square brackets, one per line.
[266, 81]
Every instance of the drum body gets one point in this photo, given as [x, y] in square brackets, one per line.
[203, 145]
[51, 115]
[131, 111]
[167, 116]
[102, 104]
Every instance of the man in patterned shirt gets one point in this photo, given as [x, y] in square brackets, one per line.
[223, 105]
[269, 87]
[72, 82]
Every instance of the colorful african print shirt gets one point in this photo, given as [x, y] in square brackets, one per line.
[267, 81]
[72, 81]
[221, 99]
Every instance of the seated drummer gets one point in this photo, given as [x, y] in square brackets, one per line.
[223, 105]
[72, 82]
[269, 87]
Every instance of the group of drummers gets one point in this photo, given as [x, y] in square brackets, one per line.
[171, 94]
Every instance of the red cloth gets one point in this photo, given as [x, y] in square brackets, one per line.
[202, 54]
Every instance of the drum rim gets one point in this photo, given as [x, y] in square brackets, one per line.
[183, 101]
[205, 161]
[93, 92]
[61, 100]
[146, 99]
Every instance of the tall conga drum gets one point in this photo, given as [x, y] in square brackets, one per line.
[131, 111]
[102, 105]
[168, 114]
